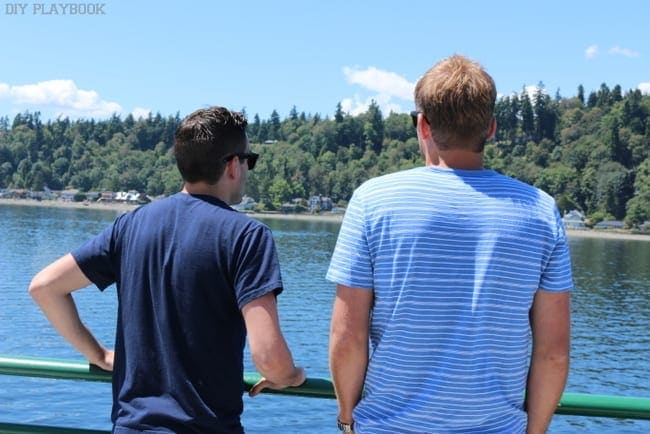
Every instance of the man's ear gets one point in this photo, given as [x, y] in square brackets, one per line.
[233, 168]
[493, 128]
[424, 129]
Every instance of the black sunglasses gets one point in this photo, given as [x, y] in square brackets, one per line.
[414, 118]
[250, 157]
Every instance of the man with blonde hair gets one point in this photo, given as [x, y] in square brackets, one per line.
[459, 277]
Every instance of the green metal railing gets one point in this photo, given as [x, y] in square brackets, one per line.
[577, 404]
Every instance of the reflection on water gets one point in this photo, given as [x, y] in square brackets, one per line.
[611, 320]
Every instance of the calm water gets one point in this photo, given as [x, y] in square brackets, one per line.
[611, 321]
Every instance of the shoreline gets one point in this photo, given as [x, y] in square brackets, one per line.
[337, 218]
[125, 207]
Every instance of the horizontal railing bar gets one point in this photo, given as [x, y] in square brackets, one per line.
[577, 404]
[50, 368]
[586, 404]
[18, 428]
[68, 370]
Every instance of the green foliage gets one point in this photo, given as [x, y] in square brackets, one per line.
[591, 154]
[597, 217]
[90, 155]
[638, 208]
[613, 189]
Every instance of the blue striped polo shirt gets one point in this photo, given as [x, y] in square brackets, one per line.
[454, 258]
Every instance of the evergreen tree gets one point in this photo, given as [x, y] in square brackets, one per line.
[254, 129]
[293, 114]
[616, 94]
[592, 101]
[633, 112]
[501, 109]
[545, 116]
[274, 126]
[581, 94]
[338, 114]
[604, 96]
[373, 128]
[638, 208]
[620, 152]
[4, 124]
[527, 116]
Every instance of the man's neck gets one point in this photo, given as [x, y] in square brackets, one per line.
[460, 159]
[205, 189]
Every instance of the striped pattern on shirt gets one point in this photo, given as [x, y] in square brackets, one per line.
[454, 259]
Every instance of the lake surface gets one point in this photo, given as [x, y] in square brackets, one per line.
[610, 326]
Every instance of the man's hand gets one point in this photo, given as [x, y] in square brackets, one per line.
[105, 362]
[299, 378]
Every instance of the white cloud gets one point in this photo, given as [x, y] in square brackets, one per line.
[4, 90]
[353, 106]
[644, 88]
[140, 112]
[386, 84]
[591, 51]
[357, 105]
[623, 52]
[62, 96]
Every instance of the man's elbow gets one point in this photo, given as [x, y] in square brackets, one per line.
[38, 287]
[347, 338]
[557, 358]
[560, 357]
[346, 347]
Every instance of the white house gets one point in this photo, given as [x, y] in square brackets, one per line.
[574, 220]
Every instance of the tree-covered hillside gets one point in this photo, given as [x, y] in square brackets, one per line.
[590, 152]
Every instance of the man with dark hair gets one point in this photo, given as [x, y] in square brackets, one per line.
[451, 271]
[193, 276]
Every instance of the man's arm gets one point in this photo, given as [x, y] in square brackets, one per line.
[268, 348]
[51, 289]
[348, 348]
[550, 319]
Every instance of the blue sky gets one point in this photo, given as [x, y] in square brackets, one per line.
[176, 56]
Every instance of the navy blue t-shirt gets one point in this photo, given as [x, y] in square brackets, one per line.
[183, 266]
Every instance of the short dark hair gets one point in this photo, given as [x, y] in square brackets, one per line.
[204, 139]
[457, 98]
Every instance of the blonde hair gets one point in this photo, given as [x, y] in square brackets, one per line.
[457, 99]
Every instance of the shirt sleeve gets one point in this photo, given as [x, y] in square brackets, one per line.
[557, 275]
[95, 260]
[257, 270]
[351, 264]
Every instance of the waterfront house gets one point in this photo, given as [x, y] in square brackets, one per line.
[106, 196]
[68, 195]
[574, 220]
[130, 196]
[320, 203]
